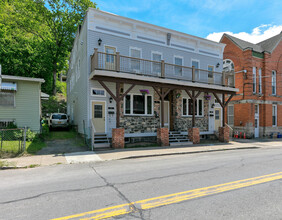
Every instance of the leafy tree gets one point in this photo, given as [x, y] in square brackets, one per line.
[44, 31]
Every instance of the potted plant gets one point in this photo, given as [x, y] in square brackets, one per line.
[207, 96]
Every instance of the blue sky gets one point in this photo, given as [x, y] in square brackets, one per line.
[252, 20]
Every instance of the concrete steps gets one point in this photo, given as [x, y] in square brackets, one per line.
[101, 140]
[178, 139]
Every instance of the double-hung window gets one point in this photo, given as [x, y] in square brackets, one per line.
[156, 66]
[195, 63]
[135, 63]
[254, 79]
[187, 107]
[274, 115]
[211, 70]
[178, 61]
[273, 82]
[7, 99]
[230, 113]
[138, 104]
[260, 82]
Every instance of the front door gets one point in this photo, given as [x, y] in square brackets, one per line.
[256, 121]
[98, 116]
[110, 62]
[217, 118]
[166, 114]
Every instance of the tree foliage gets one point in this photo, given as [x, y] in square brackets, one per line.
[36, 36]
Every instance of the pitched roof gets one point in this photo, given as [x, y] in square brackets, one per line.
[267, 45]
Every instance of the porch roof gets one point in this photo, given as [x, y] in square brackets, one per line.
[146, 80]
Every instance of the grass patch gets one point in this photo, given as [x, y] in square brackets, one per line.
[61, 135]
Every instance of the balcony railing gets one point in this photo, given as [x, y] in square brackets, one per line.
[126, 64]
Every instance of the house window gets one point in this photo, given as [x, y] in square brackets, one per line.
[138, 105]
[274, 115]
[156, 67]
[187, 107]
[273, 82]
[260, 82]
[178, 69]
[254, 79]
[98, 92]
[230, 114]
[135, 63]
[210, 73]
[98, 111]
[195, 63]
[7, 99]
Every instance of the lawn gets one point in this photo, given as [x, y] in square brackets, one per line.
[60, 135]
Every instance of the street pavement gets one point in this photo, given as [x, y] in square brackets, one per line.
[80, 189]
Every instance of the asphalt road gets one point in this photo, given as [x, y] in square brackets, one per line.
[65, 190]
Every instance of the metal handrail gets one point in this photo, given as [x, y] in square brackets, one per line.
[93, 130]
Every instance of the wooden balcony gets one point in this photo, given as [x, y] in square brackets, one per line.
[161, 69]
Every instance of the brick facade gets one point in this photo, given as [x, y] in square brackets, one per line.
[163, 136]
[118, 138]
[245, 100]
[194, 135]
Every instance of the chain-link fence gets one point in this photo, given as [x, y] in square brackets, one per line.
[12, 140]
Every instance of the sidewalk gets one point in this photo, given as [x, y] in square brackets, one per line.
[130, 153]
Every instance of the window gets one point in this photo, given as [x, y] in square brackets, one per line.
[187, 107]
[195, 63]
[178, 69]
[273, 82]
[274, 115]
[216, 114]
[260, 81]
[7, 99]
[254, 79]
[98, 111]
[230, 115]
[134, 63]
[156, 67]
[210, 73]
[98, 92]
[109, 51]
[138, 105]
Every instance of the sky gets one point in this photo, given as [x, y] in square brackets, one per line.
[250, 20]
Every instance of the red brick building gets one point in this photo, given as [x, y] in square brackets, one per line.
[257, 108]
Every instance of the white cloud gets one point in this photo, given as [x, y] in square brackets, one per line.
[258, 34]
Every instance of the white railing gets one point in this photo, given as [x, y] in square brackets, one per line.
[93, 130]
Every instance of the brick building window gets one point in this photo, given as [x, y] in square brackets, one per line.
[187, 107]
[273, 82]
[274, 115]
[138, 104]
[260, 82]
[254, 79]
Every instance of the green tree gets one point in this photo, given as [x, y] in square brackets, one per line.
[49, 27]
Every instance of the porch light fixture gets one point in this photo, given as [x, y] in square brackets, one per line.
[212, 106]
[217, 65]
[99, 41]
[111, 99]
[144, 91]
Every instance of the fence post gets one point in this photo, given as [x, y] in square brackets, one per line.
[193, 74]
[163, 69]
[24, 139]
[95, 58]
[117, 61]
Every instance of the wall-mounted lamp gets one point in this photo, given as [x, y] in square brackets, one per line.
[212, 106]
[111, 99]
[217, 65]
[99, 41]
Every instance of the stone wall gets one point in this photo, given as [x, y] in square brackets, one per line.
[140, 124]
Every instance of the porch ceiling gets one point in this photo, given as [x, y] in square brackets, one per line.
[113, 76]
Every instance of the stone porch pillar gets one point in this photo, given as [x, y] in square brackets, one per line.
[118, 138]
[223, 134]
[194, 135]
[163, 136]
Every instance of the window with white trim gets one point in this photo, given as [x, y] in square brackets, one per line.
[260, 82]
[156, 67]
[274, 115]
[98, 92]
[196, 64]
[254, 79]
[135, 63]
[138, 104]
[230, 114]
[178, 69]
[273, 82]
[211, 70]
[7, 99]
[187, 107]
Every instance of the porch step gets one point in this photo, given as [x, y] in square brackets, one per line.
[178, 139]
[101, 140]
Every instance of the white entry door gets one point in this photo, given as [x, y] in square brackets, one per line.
[217, 118]
[256, 121]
